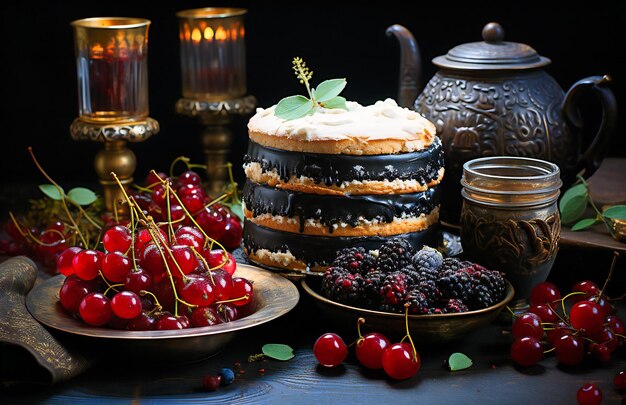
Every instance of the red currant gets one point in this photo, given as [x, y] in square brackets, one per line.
[589, 394]
[330, 350]
[95, 309]
[370, 348]
[528, 324]
[544, 293]
[526, 351]
[126, 305]
[400, 361]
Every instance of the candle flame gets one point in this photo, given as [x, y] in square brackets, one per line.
[208, 33]
[196, 36]
[96, 51]
[221, 34]
[242, 32]
[187, 32]
[233, 34]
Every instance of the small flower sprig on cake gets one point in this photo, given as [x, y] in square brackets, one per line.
[326, 95]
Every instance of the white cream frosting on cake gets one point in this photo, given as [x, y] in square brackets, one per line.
[382, 120]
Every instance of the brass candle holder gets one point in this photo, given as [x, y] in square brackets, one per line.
[112, 70]
[213, 67]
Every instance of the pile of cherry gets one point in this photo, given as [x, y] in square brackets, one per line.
[589, 328]
[161, 269]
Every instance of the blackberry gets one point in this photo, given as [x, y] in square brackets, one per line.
[454, 264]
[489, 286]
[355, 260]
[394, 288]
[394, 254]
[418, 303]
[428, 259]
[342, 286]
[454, 307]
[414, 276]
[372, 281]
[427, 274]
[455, 285]
[429, 288]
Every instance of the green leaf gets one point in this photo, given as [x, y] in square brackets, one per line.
[336, 102]
[51, 191]
[573, 209]
[616, 212]
[573, 203]
[459, 361]
[583, 224]
[278, 351]
[82, 196]
[329, 89]
[292, 107]
[573, 192]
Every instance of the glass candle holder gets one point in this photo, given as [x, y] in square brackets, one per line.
[112, 67]
[509, 220]
[212, 53]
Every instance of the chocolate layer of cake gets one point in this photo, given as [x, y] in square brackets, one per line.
[331, 210]
[423, 166]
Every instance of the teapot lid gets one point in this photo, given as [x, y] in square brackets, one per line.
[492, 54]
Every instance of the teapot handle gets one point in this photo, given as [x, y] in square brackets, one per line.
[590, 160]
[410, 65]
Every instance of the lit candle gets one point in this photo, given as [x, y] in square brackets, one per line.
[212, 58]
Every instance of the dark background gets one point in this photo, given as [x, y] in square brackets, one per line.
[39, 80]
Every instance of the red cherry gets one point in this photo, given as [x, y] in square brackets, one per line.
[589, 394]
[569, 350]
[73, 291]
[607, 337]
[227, 312]
[87, 264]
[544, 293]
[219, 259]
[619, 382]
[211, 222]
[190, 177]
[137, 280]
[369, 350]
[560, 329]
[528, 324]
[232, 234]
[330, 350]
[152, 261]
[153, 180]
[586, 315]
[545, 312]
[196, 290]
[192, 233]
[614, 323]
[95, 309]
[168, 321]
[64, 260]
[600, 352]
[115, 266]
[126, 305]
[143, 321]
[400, 362]
[223, 285]
[186, 259]
[588, 287]
[117, 239]
[242, 288]
[526, 351]
[605, 307]
[204, 316]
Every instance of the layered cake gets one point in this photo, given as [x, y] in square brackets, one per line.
[338, 178]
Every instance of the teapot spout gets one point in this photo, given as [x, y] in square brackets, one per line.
[410, 81]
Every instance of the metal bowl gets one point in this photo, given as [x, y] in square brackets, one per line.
[274, 296]
[424, 328]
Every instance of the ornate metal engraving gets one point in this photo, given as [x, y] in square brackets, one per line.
[101, 132]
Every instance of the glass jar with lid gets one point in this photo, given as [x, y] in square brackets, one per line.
[510, 220]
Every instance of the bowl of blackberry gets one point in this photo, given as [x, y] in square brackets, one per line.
[446, 298]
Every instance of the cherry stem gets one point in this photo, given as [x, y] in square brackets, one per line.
[549, 350]
[608, 278]
[108, 284]
[408, 334]
[169, 213]
[179, 159]
[359, 322]
[203, 260]
[157, 304]
[566, 297]
[61, 194]
[245, 297]
[513, 314]
[144, 189]
[117, 220]
[621, 297]
[132, 207]
[112, 287]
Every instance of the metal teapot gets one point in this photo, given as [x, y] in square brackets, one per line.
[495, 98]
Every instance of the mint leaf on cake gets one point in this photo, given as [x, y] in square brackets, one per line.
[325, 95]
